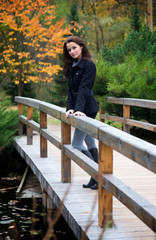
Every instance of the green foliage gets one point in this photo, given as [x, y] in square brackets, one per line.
[58, 94]
[102, 77]
[8, 121]
[131, 79]
[11, 89]
[140, 43]
[136, 24]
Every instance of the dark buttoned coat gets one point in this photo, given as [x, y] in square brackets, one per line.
[80, 87]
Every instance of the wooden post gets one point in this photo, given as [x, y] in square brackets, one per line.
[29, 130]
[126, 115]
[20, 124]
[65, 161]
[105, 198]
[43, 141]
[101, 112]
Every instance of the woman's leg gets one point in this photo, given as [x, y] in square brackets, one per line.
[78, 140]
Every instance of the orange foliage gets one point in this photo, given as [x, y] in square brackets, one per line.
[31, 41]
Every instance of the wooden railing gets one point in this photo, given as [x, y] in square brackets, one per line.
[109, 138]
[125, 120]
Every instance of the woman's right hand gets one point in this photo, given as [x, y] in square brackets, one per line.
[70, 111]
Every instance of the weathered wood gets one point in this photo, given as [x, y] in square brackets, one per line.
[44, 197]
[133, 102]
[52, 110]
[82, 160]
[134, 148]
[78, 208]
[65, 161]
[43, 140]
[126, 114]
[142, 208]
[20, 125]
[131, 122]
[110, 138]
[55, 140]
[105, 198]
[34, 125]
[29, 130]
[85, 124]
[101, 112]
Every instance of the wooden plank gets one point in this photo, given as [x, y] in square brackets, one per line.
[105, 199]
[137, 204]
[126, 115]
[134, 148]
[82, 160]
[112, 185]
[144, 125]
[112, 118]
[56, 141]
[20, 125]
[52, 110]
[29, 130]
[127, 226]
[43, 141]
[133, 102]
[65, 160]
[85, 124]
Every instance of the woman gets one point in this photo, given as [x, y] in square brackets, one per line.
[81, 71]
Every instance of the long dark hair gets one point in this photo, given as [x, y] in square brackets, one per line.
[67, 59]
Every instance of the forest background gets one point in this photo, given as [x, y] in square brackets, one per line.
[122, 45]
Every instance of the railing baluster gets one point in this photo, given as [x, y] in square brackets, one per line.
[20, 124]
[43, 141]
[105, 198]
[29, 130]
[126, 115]
[65, 161]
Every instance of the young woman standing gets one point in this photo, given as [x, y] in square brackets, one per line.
[80, 71]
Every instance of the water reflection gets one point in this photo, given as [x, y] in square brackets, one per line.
[26, 218]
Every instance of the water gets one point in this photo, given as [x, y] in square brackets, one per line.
[24, 219]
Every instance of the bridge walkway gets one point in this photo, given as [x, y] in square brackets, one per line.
[80, 206]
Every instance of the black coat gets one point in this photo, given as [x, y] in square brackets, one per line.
[80, 87]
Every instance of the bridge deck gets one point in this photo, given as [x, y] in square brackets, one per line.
[80, 205]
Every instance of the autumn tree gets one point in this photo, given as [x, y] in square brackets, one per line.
[31, 39]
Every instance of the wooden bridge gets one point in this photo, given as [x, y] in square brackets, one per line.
[124, 207]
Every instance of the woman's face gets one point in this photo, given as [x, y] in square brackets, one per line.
[74, 50]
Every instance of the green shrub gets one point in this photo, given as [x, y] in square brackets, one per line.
[140, 43]
[8, 121]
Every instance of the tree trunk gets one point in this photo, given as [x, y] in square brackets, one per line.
[150, 14]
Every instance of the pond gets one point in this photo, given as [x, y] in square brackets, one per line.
[27, 218]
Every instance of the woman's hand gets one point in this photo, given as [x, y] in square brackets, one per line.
[78, 113]
[70, 111]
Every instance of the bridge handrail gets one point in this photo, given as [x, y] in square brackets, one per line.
[109, 138]
[126, 120]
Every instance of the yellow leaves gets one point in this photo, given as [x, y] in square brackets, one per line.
[49, 69]
[23, 54]
[16, 82]
[31, 40]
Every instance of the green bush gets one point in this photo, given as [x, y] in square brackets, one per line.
[131, 79]
[8, 121]
[140, 43]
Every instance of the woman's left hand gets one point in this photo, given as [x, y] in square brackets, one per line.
[78, 113]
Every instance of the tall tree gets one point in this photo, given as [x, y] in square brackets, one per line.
[31, 39]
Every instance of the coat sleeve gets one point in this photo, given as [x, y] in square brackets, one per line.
[70, 103]
[86, 86]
